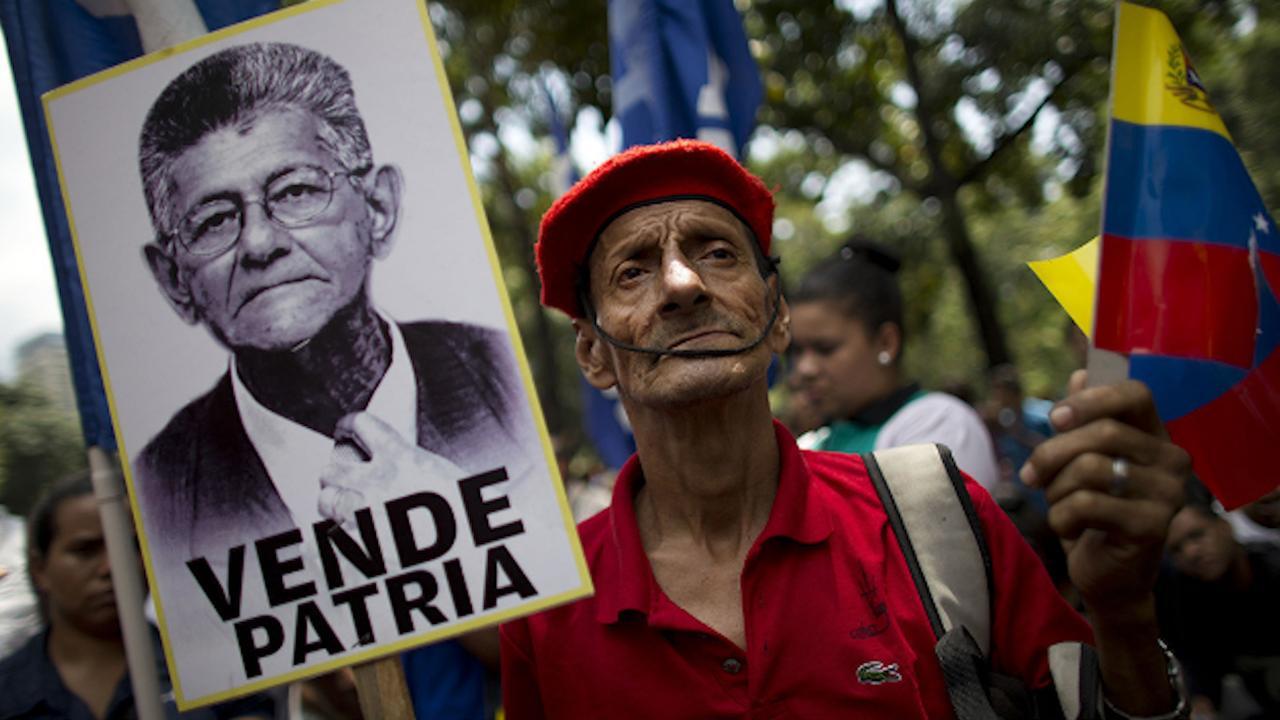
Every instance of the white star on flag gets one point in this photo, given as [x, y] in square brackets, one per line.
[1260, 222]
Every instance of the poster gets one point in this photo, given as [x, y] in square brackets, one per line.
[331, 439]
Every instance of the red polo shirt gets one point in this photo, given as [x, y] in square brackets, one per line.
[825, 589]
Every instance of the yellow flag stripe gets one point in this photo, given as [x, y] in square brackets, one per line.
[1071, 279]
[1154, 83]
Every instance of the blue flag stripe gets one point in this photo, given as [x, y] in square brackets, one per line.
[1180, 385]
[1180, 183]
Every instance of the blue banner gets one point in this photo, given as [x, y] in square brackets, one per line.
[682, 68]
[52, 43]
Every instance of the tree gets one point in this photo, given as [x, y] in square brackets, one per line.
[39, 444]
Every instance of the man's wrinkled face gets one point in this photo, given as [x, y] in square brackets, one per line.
[1201, 547]
[74, 575]
[276, 286]
[679, 275]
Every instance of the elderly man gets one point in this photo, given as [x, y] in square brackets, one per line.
[269, 212]
[738, 576]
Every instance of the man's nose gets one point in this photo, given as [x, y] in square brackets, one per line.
[682, 286]
[261, 238]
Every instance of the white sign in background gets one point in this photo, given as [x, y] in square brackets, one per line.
[439, 268]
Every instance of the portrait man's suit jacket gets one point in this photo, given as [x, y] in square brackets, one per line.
[204, 488]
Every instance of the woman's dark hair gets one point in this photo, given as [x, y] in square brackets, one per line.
[861, 279]
[41, 528]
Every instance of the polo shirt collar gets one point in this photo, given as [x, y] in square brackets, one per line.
[625, 581]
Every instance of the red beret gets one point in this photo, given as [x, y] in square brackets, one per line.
[681, 169]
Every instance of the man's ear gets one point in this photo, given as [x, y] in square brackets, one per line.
[382, 195]
[171, 281]
[593, 357]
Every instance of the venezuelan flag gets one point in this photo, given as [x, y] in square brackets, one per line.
[1190, 263]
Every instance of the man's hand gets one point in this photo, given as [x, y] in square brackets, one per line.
[371, 463]
[1114, 483]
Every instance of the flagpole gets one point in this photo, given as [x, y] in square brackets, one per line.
[126, 580]
[1104, 366]
[161, 24]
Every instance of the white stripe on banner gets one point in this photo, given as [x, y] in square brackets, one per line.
[712, 106]
[165, 23]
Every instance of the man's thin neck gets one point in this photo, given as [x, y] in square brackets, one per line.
[711, 470]
[331, 375]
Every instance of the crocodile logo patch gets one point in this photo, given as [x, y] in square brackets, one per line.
[875, 672]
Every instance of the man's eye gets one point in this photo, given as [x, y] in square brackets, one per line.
[214, 222]
[296, 193]
[629, 273]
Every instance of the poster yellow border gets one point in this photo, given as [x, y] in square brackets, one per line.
[585, 586]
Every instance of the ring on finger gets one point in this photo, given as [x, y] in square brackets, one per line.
[1119, 477]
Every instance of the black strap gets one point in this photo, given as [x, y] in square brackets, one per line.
[964, 668]
[971, 514]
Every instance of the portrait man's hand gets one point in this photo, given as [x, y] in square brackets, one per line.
[372, 463]
[1114, 483]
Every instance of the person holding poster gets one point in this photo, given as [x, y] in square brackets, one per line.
[738, 575]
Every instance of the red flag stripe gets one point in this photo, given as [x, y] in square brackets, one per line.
[1178, 298]
[1231, 440]
[1271, 270]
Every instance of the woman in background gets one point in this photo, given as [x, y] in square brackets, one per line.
[845, 360]
[75, 668]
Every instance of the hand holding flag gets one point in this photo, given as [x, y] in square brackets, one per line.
[1190, 264]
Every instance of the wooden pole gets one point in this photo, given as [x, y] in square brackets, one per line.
[382, 690]
[126, 580]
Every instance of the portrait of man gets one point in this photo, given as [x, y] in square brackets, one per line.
[269, 213]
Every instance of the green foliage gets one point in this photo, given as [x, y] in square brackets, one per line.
[39, 443]
[1242, 84]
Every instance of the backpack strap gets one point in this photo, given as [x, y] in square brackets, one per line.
[1077, 680]
[941, 538]
[938, 530]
